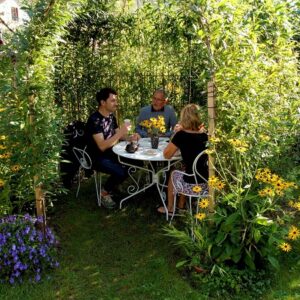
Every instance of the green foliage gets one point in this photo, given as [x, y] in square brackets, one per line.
[30, 120]
[231, 283]
[252, 60]
[135, 52]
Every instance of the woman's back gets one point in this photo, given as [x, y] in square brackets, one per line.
[190, 145]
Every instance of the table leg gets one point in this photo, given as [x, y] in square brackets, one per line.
[137, 192]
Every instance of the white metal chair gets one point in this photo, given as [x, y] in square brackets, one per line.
[179, 188]
[86, 163]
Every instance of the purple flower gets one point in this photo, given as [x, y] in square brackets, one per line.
[37, 277]
[24, 249]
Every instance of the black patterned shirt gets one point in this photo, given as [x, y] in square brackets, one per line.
[100, 124]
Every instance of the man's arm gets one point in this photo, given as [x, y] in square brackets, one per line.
[108, 143]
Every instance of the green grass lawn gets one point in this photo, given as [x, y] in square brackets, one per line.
[119, 254]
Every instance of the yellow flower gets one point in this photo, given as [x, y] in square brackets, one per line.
[242, 149]
[2, 147]
[2, 137]
[214, 140]
[162, 129]
[264, 138]
[200, 216]
[197, 189]
[291, 203]
[154, 125]
[5, 155]
[285, 247]
[279, 184]
[279, 192]
[262, 193]
[291, 184]
[2, 109]
[293, 233]
[15, 168]
[275, 178]
[297, 205]
[209, 151]
[212, 180]
[239, 145]
[266, 192]
[203, 203]
[220, 185]
[2, 183]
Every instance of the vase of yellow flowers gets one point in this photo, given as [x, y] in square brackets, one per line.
[155, 127]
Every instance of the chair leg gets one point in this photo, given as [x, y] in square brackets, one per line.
[79, 179]
[98, 187]
[192, 218]
[174, 208]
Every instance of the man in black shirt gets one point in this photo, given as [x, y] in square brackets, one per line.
[102, 134]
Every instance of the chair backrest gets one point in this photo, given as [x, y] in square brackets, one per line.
[83, 158]
[204, 163]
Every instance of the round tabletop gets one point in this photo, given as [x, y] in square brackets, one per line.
[145, 152]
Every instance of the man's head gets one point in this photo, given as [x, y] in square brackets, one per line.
[107, 99]
[159, 99]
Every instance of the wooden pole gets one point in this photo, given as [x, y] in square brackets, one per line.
[211, 106]
[39, 193]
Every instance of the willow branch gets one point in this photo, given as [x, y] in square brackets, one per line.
[5, 24]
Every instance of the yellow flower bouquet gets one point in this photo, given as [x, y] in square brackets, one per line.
[155, 126]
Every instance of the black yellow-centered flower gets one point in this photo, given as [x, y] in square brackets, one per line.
[293, 233]
[15, 168]
[197, 189]
[286, 247]
[203, 203]
[200, 216]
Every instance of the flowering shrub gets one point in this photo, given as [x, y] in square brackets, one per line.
[154, 126]
[24, 250]
[254, 222]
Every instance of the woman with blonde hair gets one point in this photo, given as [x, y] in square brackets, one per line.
[190, 138]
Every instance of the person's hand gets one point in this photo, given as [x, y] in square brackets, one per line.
[135, 137]
[202, 129]
[177, 127]
[124, 129]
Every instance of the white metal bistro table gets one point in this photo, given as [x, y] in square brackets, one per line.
[148, 155]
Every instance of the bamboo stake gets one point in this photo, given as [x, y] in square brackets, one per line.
[39, 194]
[211, 106]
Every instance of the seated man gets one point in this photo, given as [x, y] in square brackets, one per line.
[158, 107]
[102, 133]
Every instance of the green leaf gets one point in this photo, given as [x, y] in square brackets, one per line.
[261, 220]
[232, 218]
[274, 262]
[256, 235]
[221, 236]
[181, 263]
[249, 260]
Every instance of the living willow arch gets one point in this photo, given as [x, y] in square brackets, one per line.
[246, 47]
